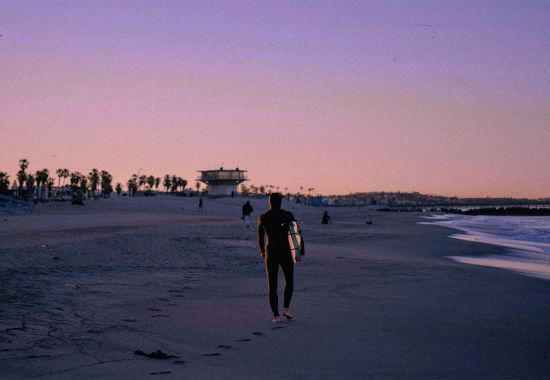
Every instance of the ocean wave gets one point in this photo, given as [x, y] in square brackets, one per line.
[526, 239]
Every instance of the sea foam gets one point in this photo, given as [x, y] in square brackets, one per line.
[527, 240]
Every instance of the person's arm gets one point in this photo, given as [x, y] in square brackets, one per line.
[261, 236]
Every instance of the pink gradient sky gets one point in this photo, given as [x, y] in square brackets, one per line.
[339, 96]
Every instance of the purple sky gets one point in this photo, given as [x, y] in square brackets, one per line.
[439, 97]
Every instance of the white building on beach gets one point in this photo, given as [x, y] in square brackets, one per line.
[222, 182]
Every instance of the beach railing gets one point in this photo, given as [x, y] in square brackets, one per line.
[15, 206]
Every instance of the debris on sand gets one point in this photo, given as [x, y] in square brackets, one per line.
[158, 354]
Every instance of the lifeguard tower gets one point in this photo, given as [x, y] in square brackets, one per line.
[222, 182]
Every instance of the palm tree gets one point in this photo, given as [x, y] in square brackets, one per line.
[142, 180]
[45, 179]
[38, 178]
[174, 183]
[30, 184]
[182, 183]
[4, 183]
[59, 173]
[167, 183]
[93, 177]
[50, 184]
[22, 176]
[62, 173]
[151, 182]
[106, 179]
[118, 188]
[66, 174]
[132, 185]
[42, 177]
[75, 180]
[157, 183]
[84, 184]
[198, 186]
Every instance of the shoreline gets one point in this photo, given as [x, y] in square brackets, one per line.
[522, 257]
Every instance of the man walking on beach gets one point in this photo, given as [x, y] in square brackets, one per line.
[275, 224]
[247, 210]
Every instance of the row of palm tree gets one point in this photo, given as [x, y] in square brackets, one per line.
[146, 183]
[262, 189]
[42, 183]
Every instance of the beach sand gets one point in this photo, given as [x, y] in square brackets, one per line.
[83, 287]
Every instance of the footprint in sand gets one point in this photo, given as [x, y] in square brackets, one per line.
[160, 373]
[277, 327]
[224, 346]
[160, 316]
[257, 333]
[213, 354]
[129, 320]
[179, 362]
[243, 340]
[153, 309]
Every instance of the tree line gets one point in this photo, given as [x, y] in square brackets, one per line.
[38, 184]
[136, 183]
[41, 182]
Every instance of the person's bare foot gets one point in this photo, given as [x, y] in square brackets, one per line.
[276, 319]
[287, 314]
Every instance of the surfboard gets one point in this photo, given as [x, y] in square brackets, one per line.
[295, 241]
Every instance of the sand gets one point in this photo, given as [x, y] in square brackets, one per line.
[82, 288]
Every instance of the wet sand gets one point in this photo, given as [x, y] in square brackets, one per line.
[82, 288]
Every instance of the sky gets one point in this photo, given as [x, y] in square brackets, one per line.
[439, 97]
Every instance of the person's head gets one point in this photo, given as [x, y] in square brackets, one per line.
[275, 200]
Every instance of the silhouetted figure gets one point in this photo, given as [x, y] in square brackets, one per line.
[232, 194]
[200, 205]
[369, 220]
[325, 219]
[275, 224]
[247, 210]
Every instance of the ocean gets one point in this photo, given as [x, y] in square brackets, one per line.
[526, 239]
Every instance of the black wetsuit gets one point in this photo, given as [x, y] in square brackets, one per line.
[247, 209]
[275, 223]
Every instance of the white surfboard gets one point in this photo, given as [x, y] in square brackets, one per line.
[295, 241]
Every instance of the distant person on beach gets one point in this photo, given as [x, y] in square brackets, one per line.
[275, 223]
[200, 205]
[369, 220]
[326, 218]
[247, 210]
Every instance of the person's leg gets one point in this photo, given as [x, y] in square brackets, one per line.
[272, 269]
[288, 270]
